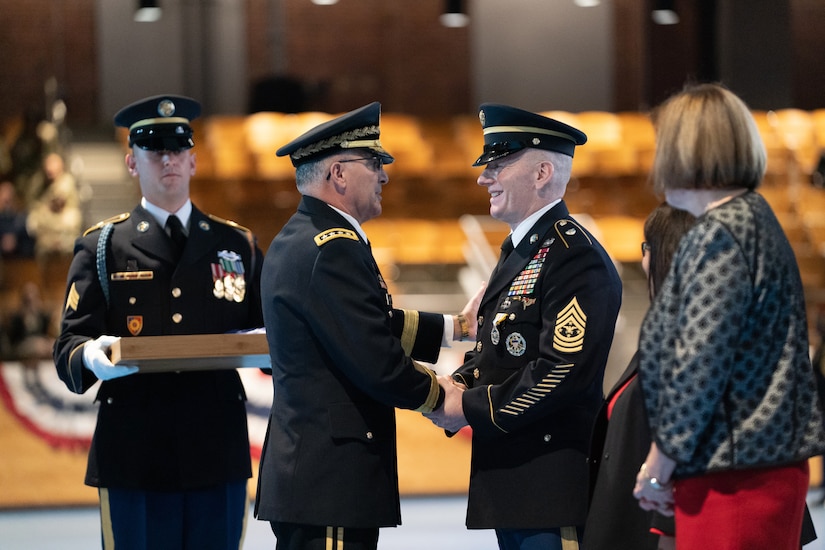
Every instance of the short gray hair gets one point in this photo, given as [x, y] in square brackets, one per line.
[310, 174]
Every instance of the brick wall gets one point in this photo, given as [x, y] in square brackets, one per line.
[40, 39]
[348, 54]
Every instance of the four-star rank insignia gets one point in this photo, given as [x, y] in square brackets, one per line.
[568, 336]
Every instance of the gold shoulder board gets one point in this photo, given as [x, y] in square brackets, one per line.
[335, 233]
[114, 219]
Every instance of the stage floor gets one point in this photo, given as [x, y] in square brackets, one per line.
[429, 522]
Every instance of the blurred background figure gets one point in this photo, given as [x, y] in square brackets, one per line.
[29, 330]
[55, 218]
[14, 239]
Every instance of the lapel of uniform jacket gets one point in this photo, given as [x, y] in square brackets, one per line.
[150, 237]
[523, 253]
[200, 240]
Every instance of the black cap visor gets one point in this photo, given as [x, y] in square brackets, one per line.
[501, 149]
[170, 137]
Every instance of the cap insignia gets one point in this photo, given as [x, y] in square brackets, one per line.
[536, 141]
[482, 117]
[166, 108]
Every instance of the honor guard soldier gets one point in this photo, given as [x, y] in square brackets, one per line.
[170, 452]
[545, 326]
[342, 357]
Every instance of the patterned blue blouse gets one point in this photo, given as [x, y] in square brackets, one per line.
[724, 362]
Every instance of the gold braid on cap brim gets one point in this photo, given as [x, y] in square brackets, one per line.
[347, 140]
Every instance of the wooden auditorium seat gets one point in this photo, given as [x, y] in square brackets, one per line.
[613, 156]
[795, 128]
[818, 121]
[225, 138]
[265, 132]
[469, 143]
[402, 137]
[779, 157]
[639, 135]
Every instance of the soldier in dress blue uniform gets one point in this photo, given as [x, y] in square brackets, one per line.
[170, 452]
[545, 325]
[342, 357]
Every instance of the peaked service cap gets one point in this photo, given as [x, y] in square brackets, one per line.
[508, 130]
[160, 123]
[358, 129]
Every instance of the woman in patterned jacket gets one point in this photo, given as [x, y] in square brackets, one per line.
[723, 351]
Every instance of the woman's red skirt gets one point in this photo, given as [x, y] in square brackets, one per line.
[742, 509]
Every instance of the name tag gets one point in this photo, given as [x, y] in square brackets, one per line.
[133, 275]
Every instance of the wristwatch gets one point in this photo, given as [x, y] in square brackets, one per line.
[464, 326]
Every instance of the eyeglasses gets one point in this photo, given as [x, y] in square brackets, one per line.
[493, 172]
[374, 163]
[645, 248]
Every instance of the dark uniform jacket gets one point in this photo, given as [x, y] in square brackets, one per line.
[615, 520]
[329, 458]
[535, 377]
[163, 431]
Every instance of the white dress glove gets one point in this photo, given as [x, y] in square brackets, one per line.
[96, 360]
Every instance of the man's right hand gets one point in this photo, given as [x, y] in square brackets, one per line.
[95, 359]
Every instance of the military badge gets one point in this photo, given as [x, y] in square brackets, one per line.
[495, 336]
[516, 344]
[228, 277]
[525, 282]
[134, 323]
[568, 336]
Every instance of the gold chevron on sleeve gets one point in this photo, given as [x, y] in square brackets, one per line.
[73, 298]
[568, 336]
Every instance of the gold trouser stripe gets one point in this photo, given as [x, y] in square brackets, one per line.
[106, 520]
[410, 331]
[569, 538]
[335, 538]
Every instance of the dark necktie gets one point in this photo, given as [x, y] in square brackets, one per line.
[506, 248]
[175, 228]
